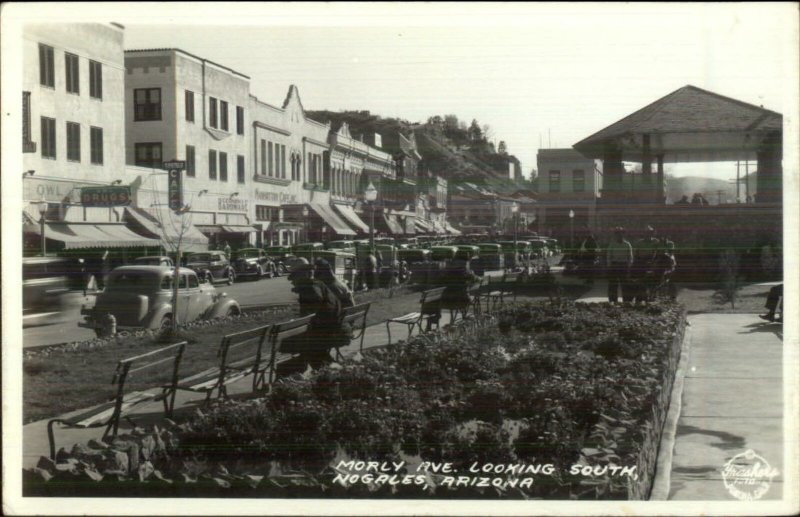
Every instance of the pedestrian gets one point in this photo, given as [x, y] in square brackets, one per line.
[226, 248]
[643, 280]
[664, 266]
[371, 270]
[775, 295]
[105, 269]
[619, 257]
[587, 256]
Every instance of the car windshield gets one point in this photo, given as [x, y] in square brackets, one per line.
[201, 257]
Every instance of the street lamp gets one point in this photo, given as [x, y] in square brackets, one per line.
[515, 212]
[571, 228]
[305, 223]
[42, 207]
[370, 195]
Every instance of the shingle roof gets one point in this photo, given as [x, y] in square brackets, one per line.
[690, 110]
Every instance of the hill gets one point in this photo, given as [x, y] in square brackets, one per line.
[709, 187]
[448, 146]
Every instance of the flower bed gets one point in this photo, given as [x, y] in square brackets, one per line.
[570, 398]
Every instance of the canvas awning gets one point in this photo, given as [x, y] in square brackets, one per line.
[94, 235]
[450, 229]
[394, 226]
[237, 228]
[331, 219]
[163, 225]
[352, 217]
[424, 226]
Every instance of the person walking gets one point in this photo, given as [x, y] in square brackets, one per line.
[371, 270]
[775, 295]
[643, 280]
[226, 248]
[587, 256]
[619, 257]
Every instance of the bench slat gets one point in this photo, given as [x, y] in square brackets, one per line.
[406, 318]
[103, 412]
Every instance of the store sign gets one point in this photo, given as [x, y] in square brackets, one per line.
[232, 204]
[275, 197]
[106, 196]
[175, 185]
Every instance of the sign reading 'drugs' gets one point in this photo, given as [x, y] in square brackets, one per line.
[106, 196]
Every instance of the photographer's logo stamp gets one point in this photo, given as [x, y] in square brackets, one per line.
[748, 476]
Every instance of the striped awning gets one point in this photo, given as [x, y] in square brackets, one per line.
[94, 235]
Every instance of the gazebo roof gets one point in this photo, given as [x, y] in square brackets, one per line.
[689, 124]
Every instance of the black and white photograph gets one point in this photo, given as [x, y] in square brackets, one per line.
[278, 258]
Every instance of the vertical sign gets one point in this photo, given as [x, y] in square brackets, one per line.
[175, 186]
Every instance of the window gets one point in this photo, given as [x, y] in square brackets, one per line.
[148, 154]
[190, 161]
[95, 80]
[73, 75]
[223, 115]
[283, 161]
[212, 112]
[263, 157]
[48, 137]
[223, 166]
[73, 142]
[278, 160]
[212, 164]
[96, 145]
[578, 180]
[189, 103]
[239, 120]
[267, 213]
[311, 177]
[147, 104]
[27, 145]
[269, 159]
[555, 181]
[46, 66]
[240, 169]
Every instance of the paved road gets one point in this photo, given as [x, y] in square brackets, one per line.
[246, 292]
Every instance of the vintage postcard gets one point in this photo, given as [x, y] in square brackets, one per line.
[400, 259]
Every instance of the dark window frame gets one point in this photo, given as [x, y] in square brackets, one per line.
[223, 115]
[95, 80]
[223, 166]
[191, 161]
[212, 112]
[149, 110]
[96, 145]
[554, 179]
[48, 137]
[72, 70]
[212, 164]
[47, 66]
[240, 169]
[152, 162]
[188, 100]
[73, 142]
[578, 173]
[239, 120]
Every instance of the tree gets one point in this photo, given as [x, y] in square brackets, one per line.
[487, 132]
[502, 148]
[451, 123]
[475, 132]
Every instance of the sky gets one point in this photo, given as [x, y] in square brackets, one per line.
[540, 75]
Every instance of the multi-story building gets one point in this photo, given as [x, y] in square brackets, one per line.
[73, 135]
[568, 181]
[179, 106]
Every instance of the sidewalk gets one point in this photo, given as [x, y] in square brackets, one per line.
[732, 401]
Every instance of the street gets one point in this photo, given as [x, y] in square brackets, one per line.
[244, 291]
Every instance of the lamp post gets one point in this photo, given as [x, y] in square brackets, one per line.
[571, 228]
[370, 195]
[515, 215]
[42, 207]
[305, 223]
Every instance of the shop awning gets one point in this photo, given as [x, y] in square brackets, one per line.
[237, 228]
[438, 228]
[99, 235]
[424, 226]
[331, 219]
[352, 217]
[166, 227]
[395, 227]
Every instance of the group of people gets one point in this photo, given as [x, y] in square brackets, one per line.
[635, 270]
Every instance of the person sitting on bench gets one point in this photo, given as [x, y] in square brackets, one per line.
[775, 295]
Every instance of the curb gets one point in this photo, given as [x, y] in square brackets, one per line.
[661, 482]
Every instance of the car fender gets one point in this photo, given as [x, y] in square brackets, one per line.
[153, 318]
[221, 307]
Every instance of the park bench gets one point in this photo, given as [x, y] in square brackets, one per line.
[282, 332]
[240, 354]
[430, 311]
[110, 413]
[356, 317]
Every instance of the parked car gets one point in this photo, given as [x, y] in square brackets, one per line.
[253, 262]
[282, 257]
[343, 265]
[307, 250]
[211, 266]
[45, 284]
[141, 297]
[152, 260]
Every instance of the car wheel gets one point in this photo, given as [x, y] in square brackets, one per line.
[99, 332]
[231, 277]
[282, 269]
[165, 324]
[232, 311]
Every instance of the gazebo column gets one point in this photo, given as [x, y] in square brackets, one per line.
[660, 179]
[612, 172]
[647, 161]
[769, 178]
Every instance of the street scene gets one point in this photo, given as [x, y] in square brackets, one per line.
[230, 295]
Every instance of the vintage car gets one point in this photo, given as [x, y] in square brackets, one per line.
[45, 285]
[211, 266]
[152, 260]
[141, 297]
[307, 250]
[342, 263]
[490, 257]
[253, 262]
[341, 245]
[282, 257]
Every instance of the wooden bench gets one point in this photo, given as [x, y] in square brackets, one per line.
[240, 354]
[430, 311]
[280, 333]
[356, 317]
[110, 413]
[501, 288]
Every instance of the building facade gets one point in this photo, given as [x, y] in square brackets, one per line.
[568, 181]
